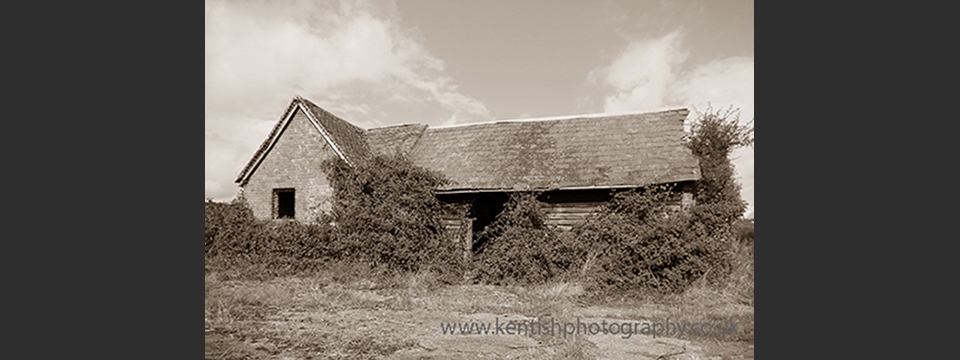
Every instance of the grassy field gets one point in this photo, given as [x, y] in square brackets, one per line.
[352, 313]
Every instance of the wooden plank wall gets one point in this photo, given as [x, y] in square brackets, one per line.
[564, 215]
[451, 223]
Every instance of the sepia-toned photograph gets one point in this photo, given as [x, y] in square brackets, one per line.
[527, 179]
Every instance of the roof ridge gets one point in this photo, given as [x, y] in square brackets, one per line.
[305, 100]
[397, 125]
[678, 111]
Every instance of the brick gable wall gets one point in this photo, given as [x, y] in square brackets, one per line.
[293, 162]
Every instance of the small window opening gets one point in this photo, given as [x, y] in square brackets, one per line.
[285, 203]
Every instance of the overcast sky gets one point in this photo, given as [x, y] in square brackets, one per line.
[377, 63]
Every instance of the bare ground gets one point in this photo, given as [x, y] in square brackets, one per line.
[318, 318]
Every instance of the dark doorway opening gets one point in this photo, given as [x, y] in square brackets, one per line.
[484, 211]
[285, 203]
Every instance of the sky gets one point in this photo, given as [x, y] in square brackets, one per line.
[378, 63]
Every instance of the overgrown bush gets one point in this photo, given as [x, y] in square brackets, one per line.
[522, 248]
[221, 220]
[637, 241]
[261, 249]
[714, 136]
[386, 213]
[385, 216]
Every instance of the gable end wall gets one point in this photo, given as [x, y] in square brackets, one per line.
[293, 162]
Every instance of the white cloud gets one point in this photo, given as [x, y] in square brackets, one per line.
[642, 73]
[350, 55]
[645, 76]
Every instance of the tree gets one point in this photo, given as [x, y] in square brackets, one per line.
[714, 136]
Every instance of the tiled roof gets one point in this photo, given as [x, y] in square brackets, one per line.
[345, 136]
[391, 140]
[588, 151]
[572, 152]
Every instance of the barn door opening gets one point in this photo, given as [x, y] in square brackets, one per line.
[484, 211]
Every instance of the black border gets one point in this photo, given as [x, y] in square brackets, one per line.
[120, 137]
[120, 206]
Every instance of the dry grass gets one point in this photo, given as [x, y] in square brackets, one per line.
[700, 304]
[351, 312]
[293, 316]
[731, 300]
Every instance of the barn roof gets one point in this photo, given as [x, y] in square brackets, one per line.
[574, 152]
[347, 137]
[586, 151]
[392, 140]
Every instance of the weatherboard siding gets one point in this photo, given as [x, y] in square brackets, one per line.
[293, 162]
[565, 215]
[564, 210]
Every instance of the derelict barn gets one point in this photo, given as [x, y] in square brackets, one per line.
[577, 162]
